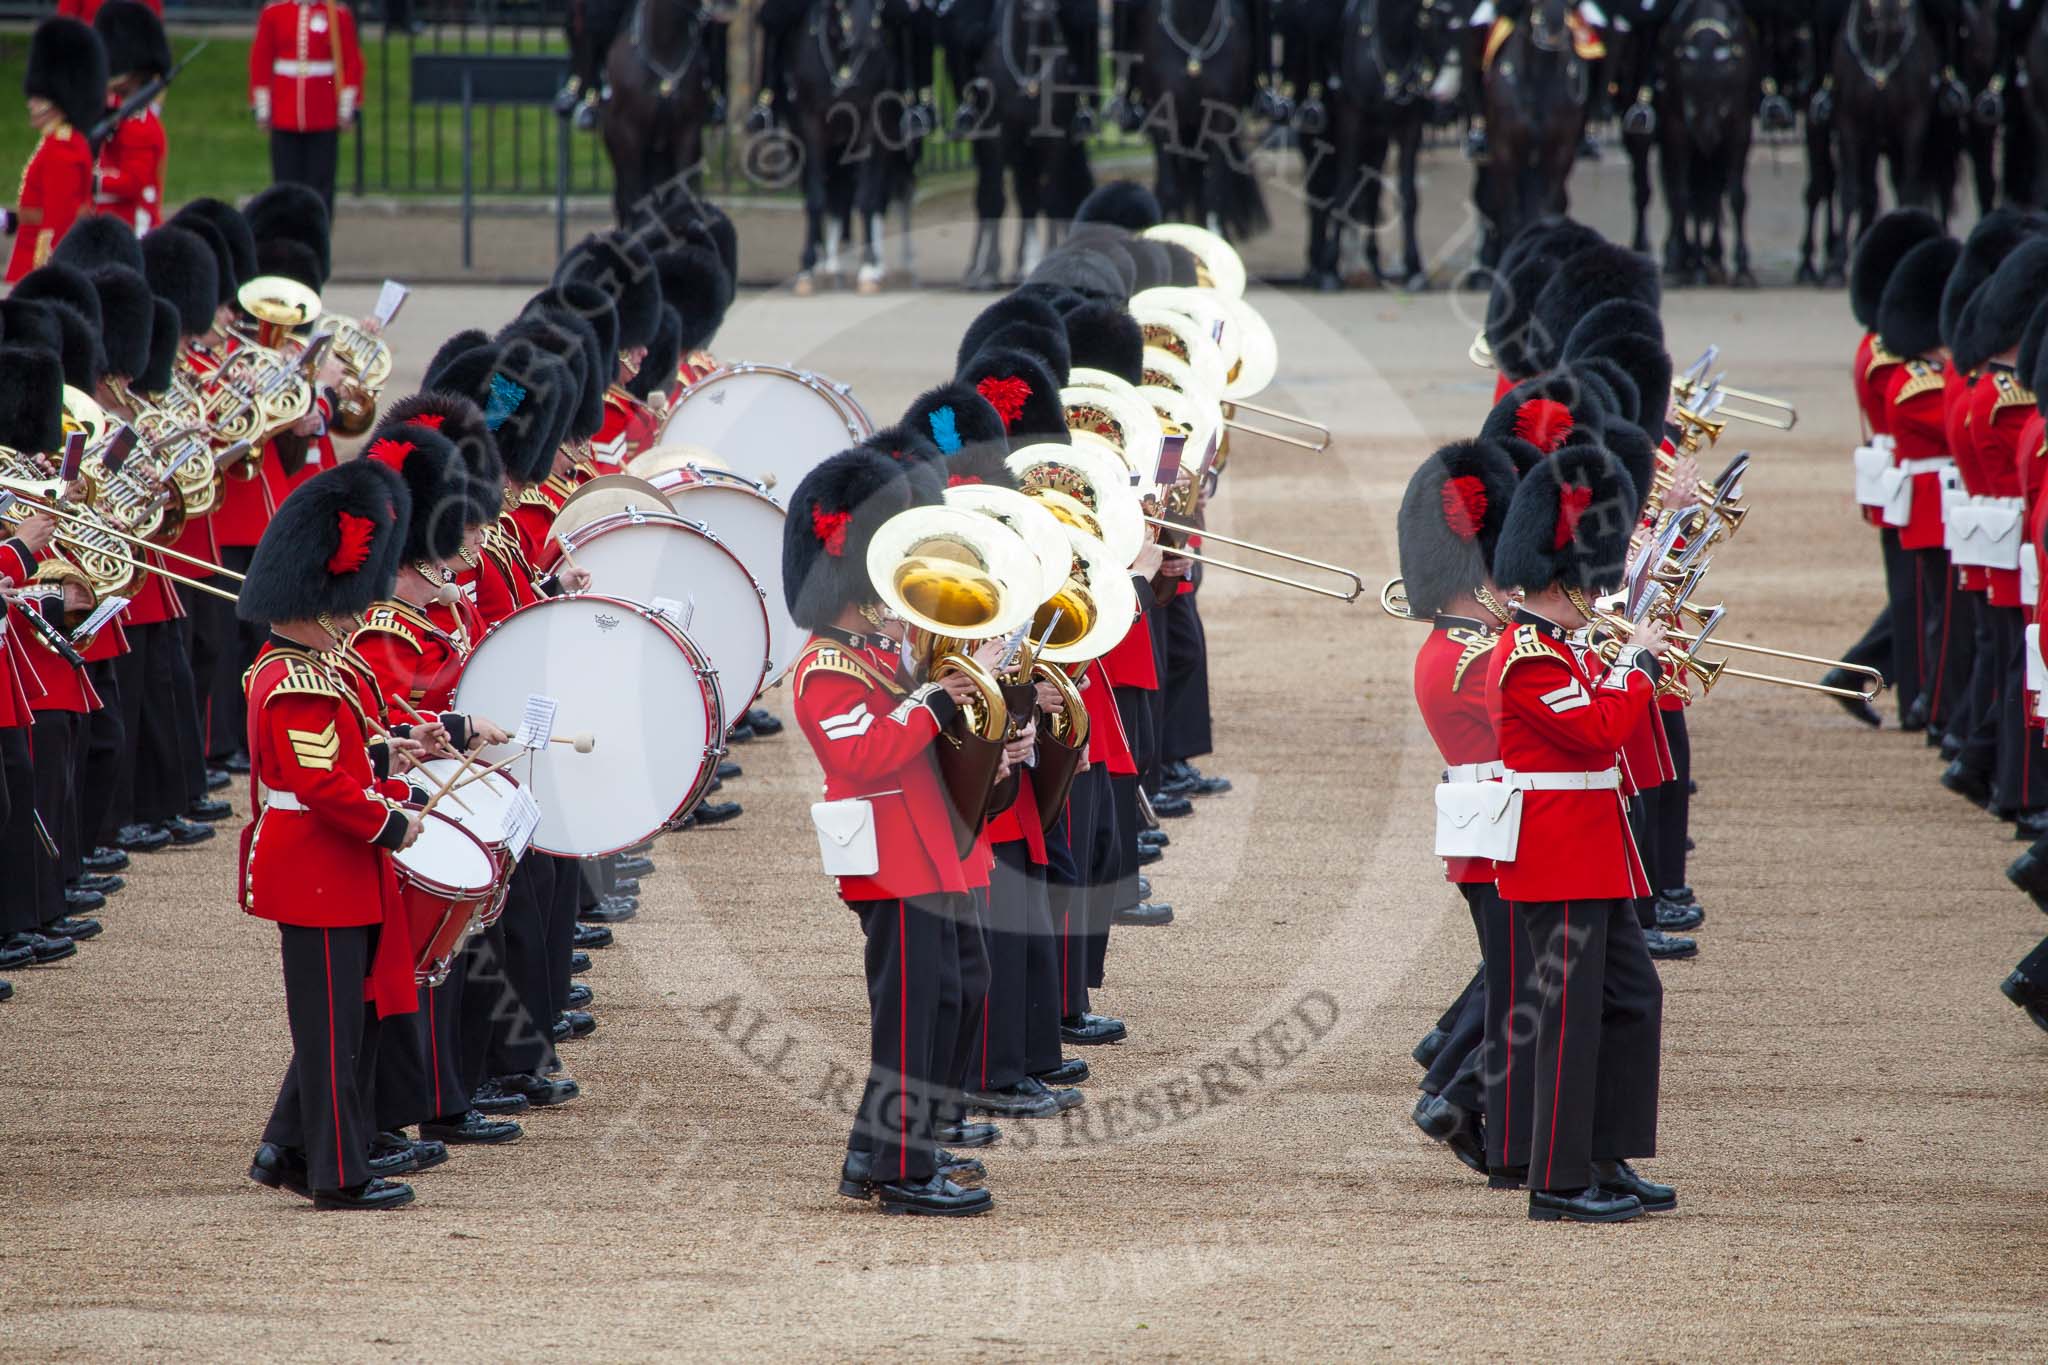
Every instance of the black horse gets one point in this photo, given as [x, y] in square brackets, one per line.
[2027, 133]
[660, 100]
[1885, 67]
[1028, 90]
[847, 111]
[1194, 73]
[1973, 134]
[1388, 62]
[1535, 99]
[1711, 77]
[1823, 223]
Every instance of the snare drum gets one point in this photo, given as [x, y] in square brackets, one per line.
[747, 520]
[628, 677]
[769, 423]
[446, 879]
[679, 567]
[494, 809]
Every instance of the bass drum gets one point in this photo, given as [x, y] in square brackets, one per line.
[679, 567]
[771, 424]
[747, 519]
[624, 675]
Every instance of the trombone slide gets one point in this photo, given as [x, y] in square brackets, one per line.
[1357, 583]
[1320, 442]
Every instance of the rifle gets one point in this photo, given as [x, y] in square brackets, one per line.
[140, 100]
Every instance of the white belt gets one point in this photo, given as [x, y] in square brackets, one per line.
[302, 68]
[1608, 780]
[1475, 772]
[1933, 466]
[283, 801]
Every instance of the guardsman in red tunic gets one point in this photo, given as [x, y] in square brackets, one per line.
[1908, 326]
[1892, 643]
[873, 734]
[328, 816]
[697, 286]
[622, 271]
[66, 85]
[130, 183]
[85, 11]
[1578, 966]
[305, 85]
[1450, 522]
[429, 1071]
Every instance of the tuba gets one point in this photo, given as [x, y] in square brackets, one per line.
[958, 578]
[281, 386]
[366, 364]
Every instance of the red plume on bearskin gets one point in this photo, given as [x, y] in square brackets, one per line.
[1450, 517]
[357, 534]
[333, 548]
[833, 515]
[1572, 503]
[1007, 394]
[830, 529]
[1568, 525]
[1465, 505]
[1544, 423]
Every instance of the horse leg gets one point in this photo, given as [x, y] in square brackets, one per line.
[1411, 205]
[815, 188]
[906, 249]
[1738, 213]
[1372, 173]
[871, 201]
[1639, 185]
[1672, 168]
[1027, 170]
[985, 262]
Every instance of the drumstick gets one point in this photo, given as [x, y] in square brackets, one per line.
[448, 790]
[409, 710]
[583, 743]
[483, 773]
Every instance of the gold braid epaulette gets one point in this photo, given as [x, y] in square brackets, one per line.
[1526, 643]
[2011, 393]
[385, 619]
[1476, 643]
[1879, 357]
[1921, 377]
[302, 678]
[825, 656]
[533, 497]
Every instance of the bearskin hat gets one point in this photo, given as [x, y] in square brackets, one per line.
[292, 213]
[61, 284]
[1909, 311]
[1883, 245]
[955, 418]
[1545, 412]
[85, 359]
[32, 399]
[1154, 267]
[1556, 236]
[590, 305]
[332, 549]
[1046, 344]
[1122, 203]
[1568, 524]
[833, 515]
[1062, 299]
[1623, 399]
[466, 340]
[1183, 270]
[165, 335]
[979, 464]
[1450, 522]
[1519, 348]
[621, 267]
[292, 260]
[1616, 317]
[1104, 337]
[1087, 273]
[462, 423]
[522, 392]
[26, 322]
[2028, 358]
[1589, 278]
[1638, 355]
[695, 285]
[570, 340]
[1994, 238]
[1995, 319]
[227, 281]
[1112, 244]
[1021, 390]
[233, 228]
[1011, 308]
[134, 39]
[1599, 392]
[67, 65]
[908, 447]
[99, 239]
[2035, 376]
[436, 482]
[127, 318]
[1632, 449]
[658, 369]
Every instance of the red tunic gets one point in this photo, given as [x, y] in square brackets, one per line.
[1555, 712]
[1870, 377]
[85, 10]
[416, 663]
[874, 741]
[304, 64]
[1999, 407]
[317, 858]
[628, 429]
[1452, 672]
[1916, 396]
[131, 178]
[56, 186]
[1107, 742]
[54, 683]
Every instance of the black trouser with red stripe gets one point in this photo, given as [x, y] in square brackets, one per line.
[1081, 905]
[1023, 959]
[963, 1009]
[2020, 780]
[907, 960]
[1457, 1074]
[19, 913]
[1186, 681]
[54, 734]
[512, 998]
[420, 1072]
[1585, 1021]
[1947, 635]
[152, 786]
[323, 1109]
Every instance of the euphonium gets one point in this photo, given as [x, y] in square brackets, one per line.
[366, 363]
[281, 384]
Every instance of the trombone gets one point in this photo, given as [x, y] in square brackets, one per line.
[1712, 616]
[1394, 600]
[1357, 583]
[93, 533]
[1317, 444]
[1761, 410]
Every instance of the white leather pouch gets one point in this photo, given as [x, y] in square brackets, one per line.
[1986, 532]
[846, 837]
[2030, 573]
[2037, 668]
[1897, 486]
[1478, 820]
[1871, 463]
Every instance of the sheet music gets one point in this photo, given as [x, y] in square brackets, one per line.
[107, 610]
[522, 818]
[538, 725]
[389, 300]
